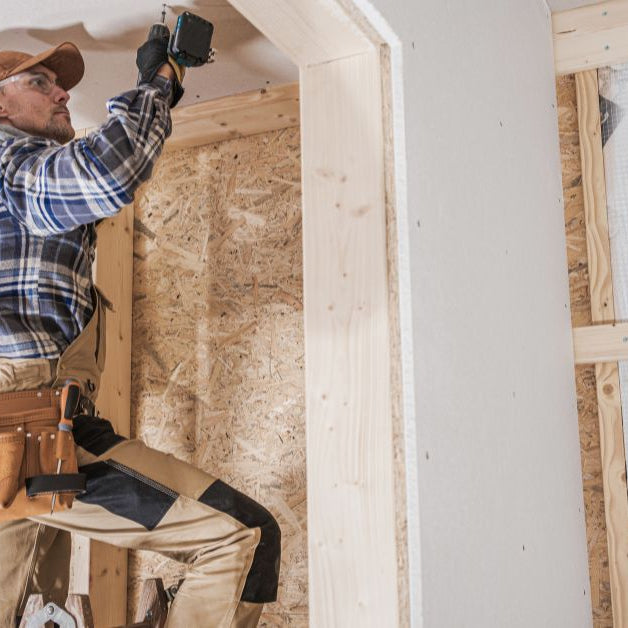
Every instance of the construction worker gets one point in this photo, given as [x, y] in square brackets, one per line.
[53, 189]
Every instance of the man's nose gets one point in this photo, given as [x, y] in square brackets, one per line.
[60, 95]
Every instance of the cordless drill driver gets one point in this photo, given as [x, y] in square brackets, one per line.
[188, 46]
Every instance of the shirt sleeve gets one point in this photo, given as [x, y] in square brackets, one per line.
[52, 188]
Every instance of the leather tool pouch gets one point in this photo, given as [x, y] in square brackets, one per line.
[30, 447]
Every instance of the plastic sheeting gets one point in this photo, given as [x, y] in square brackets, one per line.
[613, 89]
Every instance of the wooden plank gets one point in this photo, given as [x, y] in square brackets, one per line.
[235, 116]
[594, 190]
[614, 482]
[230, 117]
[603, 308]
[107, 572]
[590, 37]
[115, 278]
[349, 427]
[308, 31]
[600, 343]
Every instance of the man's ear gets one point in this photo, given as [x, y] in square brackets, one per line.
[5, 109]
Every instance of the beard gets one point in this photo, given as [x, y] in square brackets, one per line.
[58, 131]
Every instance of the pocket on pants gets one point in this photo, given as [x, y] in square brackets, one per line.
[11, 457]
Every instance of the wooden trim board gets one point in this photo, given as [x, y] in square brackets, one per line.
[590, 37]
[607, 375]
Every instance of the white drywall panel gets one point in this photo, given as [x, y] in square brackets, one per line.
[499, 482]
[108, 34]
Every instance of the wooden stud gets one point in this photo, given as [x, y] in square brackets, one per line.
[607, 376]
[600, 343]
[590, 37]
[107, 584]
[348, 403]
[594, 190]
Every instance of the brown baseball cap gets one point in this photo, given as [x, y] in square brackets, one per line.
[64, 60]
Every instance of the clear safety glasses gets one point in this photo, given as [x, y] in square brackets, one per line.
[32, 80]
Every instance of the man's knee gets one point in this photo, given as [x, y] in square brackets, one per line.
[263, 576]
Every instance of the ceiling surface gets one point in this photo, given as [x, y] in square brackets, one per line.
[109, 32]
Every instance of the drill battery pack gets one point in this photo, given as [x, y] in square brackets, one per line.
[191, 40]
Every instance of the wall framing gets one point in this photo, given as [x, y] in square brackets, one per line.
[584, 40]
[346, 308]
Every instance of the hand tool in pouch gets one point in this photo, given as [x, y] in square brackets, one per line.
[70, 398]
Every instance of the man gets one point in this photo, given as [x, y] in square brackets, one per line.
[53, 190]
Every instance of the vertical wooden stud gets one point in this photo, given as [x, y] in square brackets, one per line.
[603, 310]
[351, 525]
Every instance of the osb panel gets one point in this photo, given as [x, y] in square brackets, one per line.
[585, 375]
[218, 351]
[396, 350]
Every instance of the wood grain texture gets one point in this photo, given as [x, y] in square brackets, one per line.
[594, 189]
[114, 276]
[602, 309]
[308, 31]
[600, 343]
[231, 117]
[235, 116]
[590, 37]
[614, 478]
[349, 427]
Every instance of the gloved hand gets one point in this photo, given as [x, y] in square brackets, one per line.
[151, 55]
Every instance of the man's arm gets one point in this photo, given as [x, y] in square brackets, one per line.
[52, 189]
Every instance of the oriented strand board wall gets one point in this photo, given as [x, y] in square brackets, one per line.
[585, 375]
[218, 334]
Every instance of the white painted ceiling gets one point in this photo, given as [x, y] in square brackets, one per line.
[108, 33]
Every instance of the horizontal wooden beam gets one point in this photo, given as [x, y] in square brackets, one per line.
[590, 37]
[600, 343]
[309, 32]
[229, 117]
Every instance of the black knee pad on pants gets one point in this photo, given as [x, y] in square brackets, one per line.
[263, 577]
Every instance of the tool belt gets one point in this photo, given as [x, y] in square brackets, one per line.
[38, 465]
[31, 446]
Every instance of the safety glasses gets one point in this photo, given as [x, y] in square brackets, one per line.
[36, 81]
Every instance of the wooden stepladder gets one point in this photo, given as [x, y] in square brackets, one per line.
[152, 611]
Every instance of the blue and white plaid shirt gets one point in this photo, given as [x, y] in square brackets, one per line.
[50, 197]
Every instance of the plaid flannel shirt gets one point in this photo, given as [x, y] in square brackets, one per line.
[50, 197]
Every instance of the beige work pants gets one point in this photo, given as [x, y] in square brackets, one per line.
[141, 498]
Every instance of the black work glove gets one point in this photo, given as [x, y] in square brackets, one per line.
[151, 55]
